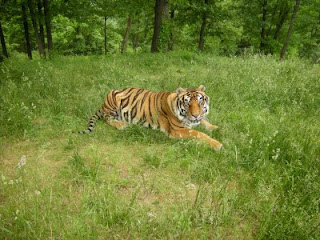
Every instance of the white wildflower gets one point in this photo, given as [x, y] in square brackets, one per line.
[22, 161]
[191, 186]
[150, 214]
[276, 154]
[36, 192]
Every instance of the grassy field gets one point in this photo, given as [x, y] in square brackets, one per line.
[139, 184]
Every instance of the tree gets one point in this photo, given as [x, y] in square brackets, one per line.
[105, 35]
[203, 28]
[263, 26]
[157, 26]
[105, 9]
[165, 26]
[307, 27]
[285, 45]
[3, 42]
[40, 19]
[26, 29]
[47, 19]
[3, 4]
[171, 38]
[283, 15]
[126, 35]
[135, 17]
[35, 29]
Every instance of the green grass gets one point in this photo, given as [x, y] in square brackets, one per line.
[139, 184]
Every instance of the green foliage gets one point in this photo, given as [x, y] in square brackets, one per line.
[80, 38]
[232, 27]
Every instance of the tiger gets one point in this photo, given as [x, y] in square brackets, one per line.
[174, 113]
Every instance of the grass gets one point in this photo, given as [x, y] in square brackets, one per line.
[138, 183]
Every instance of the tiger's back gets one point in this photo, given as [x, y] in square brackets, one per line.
[136, 106]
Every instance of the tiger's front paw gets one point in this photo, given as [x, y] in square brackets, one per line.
[220, 148]
[212, 127]
[216, 145]
[208, 125]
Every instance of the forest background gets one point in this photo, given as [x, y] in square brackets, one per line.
[228, 27]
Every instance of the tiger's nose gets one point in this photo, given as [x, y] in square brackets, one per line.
[195, 116]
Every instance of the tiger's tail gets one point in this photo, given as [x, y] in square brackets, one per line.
[92, 121]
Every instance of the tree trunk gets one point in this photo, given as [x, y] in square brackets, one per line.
[3, 43]
[35, 29]
[285, 45]
[105, 35]
[157, 26]
[275, 8]
[39, 4]
[135, 42]
[263, 30]
[126, 35]
[165, 26]
[47, 20]
[203, 28]
[171, 39]
[283, 18]
[26, 30]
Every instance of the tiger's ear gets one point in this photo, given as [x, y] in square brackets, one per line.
[201, 88]
[180, 90]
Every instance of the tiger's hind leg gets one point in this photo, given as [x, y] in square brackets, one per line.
[117, 124]
[112, 118]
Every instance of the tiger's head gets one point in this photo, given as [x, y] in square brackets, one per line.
[192, 105]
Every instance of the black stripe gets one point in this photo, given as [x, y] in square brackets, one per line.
[155, 101]
[143, 99]
[113, 96]
[175, 124]
[125, 115]
[178, 105]
[131, 89]
[127, 99]
[164, 113]
[134, 112]
[110, 105]
[135, 97]
[144, 117]
[120, 91]
[150, 113]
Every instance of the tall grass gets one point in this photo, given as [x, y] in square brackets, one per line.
[138, 183]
